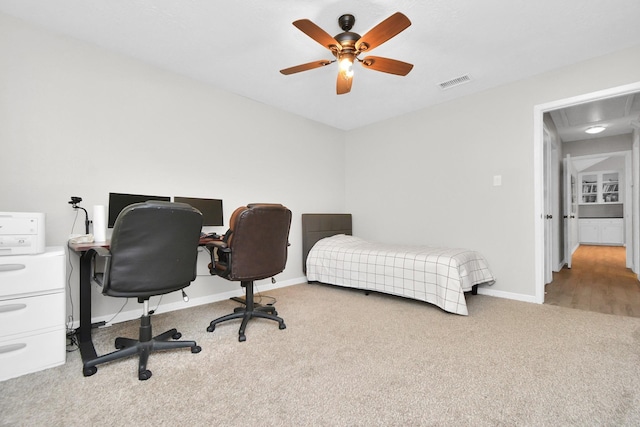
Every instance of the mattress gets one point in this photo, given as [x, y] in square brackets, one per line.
[439, 276]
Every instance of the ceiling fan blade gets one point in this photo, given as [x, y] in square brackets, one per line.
[343, 85]
[305, 67]
[382, 32]
[386, 65]
[317, 33]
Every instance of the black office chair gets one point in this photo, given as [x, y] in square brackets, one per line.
[153, 251]
[254, 248]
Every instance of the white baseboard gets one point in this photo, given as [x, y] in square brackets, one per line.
[507, 295]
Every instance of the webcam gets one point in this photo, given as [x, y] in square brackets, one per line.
[74, 204]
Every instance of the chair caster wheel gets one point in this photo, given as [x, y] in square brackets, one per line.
[144, 375]
[196, 349]
[176, 336]
[87, 372]
[242, 338]
[211, 328]
[282, 326]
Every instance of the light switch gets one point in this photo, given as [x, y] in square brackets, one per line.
[497, 180]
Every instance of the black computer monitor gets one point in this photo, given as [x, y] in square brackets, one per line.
[211, 209]
[119, 201]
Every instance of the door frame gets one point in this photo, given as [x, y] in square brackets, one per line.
[538, 173]
[570, 200]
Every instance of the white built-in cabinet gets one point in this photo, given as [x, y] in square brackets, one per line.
[32, 312]
[600, 187]
[601, 231]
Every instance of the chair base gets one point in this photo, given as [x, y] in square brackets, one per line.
[247, 313]
[143, 347]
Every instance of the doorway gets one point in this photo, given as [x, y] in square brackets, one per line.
[599, 281]
[543, 208]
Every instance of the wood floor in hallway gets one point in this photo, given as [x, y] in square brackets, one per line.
[598, 281]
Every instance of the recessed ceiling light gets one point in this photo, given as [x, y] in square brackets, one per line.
[595, 129]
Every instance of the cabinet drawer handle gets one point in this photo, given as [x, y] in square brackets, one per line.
[12, 347]
[12, 307]
[12, 267]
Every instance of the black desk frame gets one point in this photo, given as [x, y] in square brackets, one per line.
[83, 333]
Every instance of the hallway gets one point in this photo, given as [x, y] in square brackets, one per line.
[598, 281]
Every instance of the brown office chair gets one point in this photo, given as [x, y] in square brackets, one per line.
[153, 251]
[254, 248]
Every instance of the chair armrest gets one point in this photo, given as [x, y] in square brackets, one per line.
[100, 278]
[220, 256]
[217, 244]
[101, 251]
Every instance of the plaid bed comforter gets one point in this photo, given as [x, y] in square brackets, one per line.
[438, 276]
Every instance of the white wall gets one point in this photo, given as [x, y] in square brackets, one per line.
[76, 120]
[607, 144]
[433, 183]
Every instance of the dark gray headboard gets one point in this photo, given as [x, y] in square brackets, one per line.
[319, 226]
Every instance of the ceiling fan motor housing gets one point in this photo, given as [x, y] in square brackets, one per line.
[347, 41]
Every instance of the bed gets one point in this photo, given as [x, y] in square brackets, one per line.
[440, 276]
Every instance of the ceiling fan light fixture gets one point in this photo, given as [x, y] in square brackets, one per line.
[347, 45]
[595, 129]
[346, 64]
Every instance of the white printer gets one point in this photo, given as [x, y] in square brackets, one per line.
[21, 233]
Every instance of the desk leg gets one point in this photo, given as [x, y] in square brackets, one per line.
[85, 343]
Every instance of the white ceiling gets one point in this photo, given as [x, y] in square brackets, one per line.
[616, 114]
[240, 46]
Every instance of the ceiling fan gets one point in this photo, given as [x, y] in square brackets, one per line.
[346, 47]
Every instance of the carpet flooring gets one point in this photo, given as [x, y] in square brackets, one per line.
[350, 359]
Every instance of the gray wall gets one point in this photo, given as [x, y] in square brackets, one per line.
[433, 183]
[614, 210]
[610, 144]
[78, 120]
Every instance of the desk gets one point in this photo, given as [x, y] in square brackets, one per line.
[83, 333]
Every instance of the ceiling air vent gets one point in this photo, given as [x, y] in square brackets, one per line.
[455, 82]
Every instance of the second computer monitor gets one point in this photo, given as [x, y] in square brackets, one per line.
[211, 209]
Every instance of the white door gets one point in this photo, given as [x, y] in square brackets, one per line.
[635, 179]
[570, 209]
[548, 230]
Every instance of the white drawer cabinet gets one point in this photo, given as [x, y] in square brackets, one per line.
[601, 231]
[32, 312]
